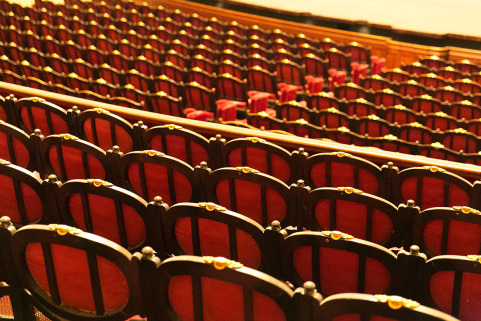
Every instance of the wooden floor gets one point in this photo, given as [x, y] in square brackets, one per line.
[427, 16]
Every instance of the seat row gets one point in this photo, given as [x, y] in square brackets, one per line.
[388, 97]
[361, 117]
[116, 284]
[103, 129]
[139, 33]
[436, 63]
[197, 22]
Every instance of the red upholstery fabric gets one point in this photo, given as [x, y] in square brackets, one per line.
[176, 148]
[229, 88]
[293, 114]
[288, 93]
[200, 115]
[433, 193]
[221, 301]
[337, 77]
[463, 238]
[73, 277]
[467, 113]
[21, 152]
[197, 98]
[158, 184]
[351, 218]
[360, 110]
[458, 143]
[333, 121]
[248, 200]
[425, 106]
[413, 134]
[257, 158]
[258, 102]
[342, 175]
[8, 202]
[227, 111]
[357, 71]
[74, 165]
[331, 261]
[124, 141]
[387, 100]
[104, 220]
[3, 114]
[374, 129]
[470, 303]
[288, 73]
[214, 241]
[441, 123]
[315, 84]
[38, 114]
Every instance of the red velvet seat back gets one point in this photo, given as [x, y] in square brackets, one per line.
[59, 124]
[158, 183]
[104, 221]
[414, 134]
[374, 128]
[331, 261]
[220, 301]
[214, 241]
[441, 287]
[257, 158]
[468, 144]
[74, 165]
[20, 151]
[466, 112]
[104, 135]
[433, 193]
[9, 205]
[333, 120]
[176, 147]
[342, 175]
[249, 200]
[351, 218]
[73, 277]
[197, 98]
[463, 238]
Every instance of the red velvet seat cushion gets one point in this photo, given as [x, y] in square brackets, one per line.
[214, 241]
[331, 261]
[441, 287]
[463, 238]
[248, 200]
[342, 175]
[124, 141]
[257, 158]
[176, 148]
[38, 114]
[351, 218]
[74, 165]
[104, 220]
[73, 277]
[433, 193]
[221, 301]
[158, 184]
[8, 201]
[21, 152]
